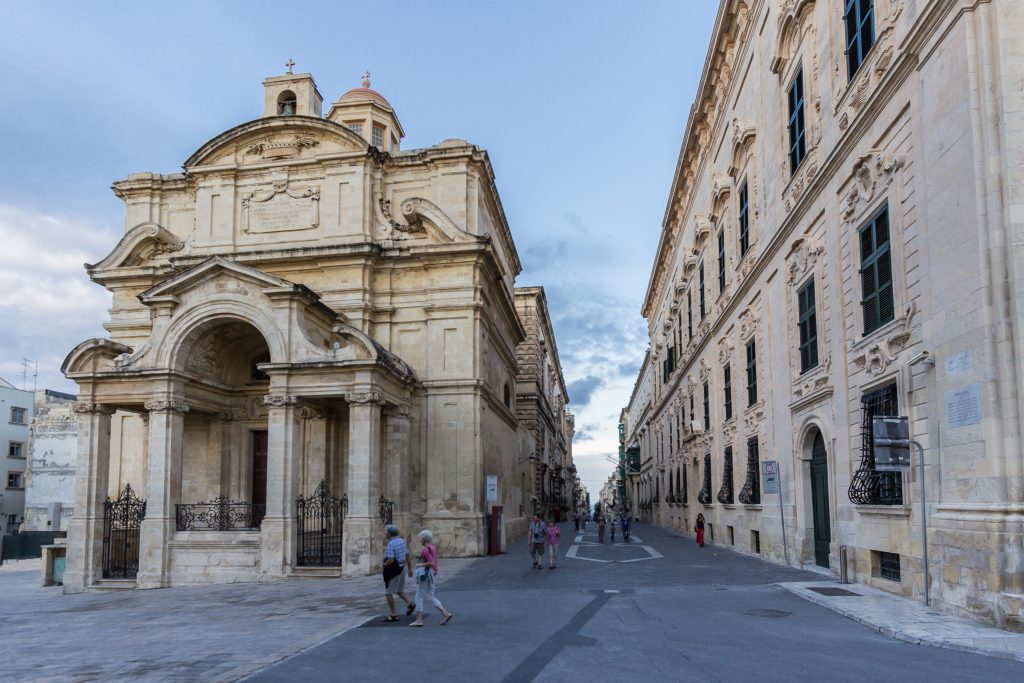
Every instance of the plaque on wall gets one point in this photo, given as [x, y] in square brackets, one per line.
[280, 209]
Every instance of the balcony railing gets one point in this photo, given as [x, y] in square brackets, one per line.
[219, 514]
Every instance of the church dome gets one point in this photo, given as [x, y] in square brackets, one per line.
[363, 94]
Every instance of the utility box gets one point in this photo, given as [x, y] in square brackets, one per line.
[891, 440]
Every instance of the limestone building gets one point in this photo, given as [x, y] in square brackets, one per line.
[313, 331]
[16, 407]
[551, 483]
[50, 471]
[840, 242]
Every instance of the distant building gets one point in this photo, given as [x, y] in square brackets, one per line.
[15, 415]
[50, 475]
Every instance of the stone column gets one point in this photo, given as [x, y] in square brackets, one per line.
[85, 530]
[163, 488]
[397, 477]
[363, 529]
[284, 452]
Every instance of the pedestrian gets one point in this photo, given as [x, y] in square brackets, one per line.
[395, 567]
[553, 534]
[700, 529]
[535, 539]
[599, 518]
[576, 519]
[624, 523]
[613, 524]
[426, 575]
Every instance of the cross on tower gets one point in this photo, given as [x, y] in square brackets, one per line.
[366, 79]
[290, 63]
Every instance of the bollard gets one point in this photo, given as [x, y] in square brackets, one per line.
[842, 565]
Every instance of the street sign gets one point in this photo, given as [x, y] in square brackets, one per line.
[770, 476]
[890, 437]
[492, 488]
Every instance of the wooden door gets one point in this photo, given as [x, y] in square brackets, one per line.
[819, 498]
[259, 468]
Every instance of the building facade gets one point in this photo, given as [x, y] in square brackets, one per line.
[312, 333]
[16, 408]
[541, 401]
[50, 474]
[840, 243]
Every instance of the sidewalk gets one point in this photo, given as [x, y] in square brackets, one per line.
[908, 620]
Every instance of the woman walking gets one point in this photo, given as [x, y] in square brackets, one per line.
[700, 529]
[553, 534]
[426, 579]
[535, 539]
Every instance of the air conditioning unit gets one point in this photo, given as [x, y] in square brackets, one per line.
[696, 427]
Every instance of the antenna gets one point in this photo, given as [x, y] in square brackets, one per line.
[25, 363]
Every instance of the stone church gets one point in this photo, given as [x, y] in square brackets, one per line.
[313, 332]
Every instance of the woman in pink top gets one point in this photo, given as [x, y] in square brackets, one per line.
[426, 577]
[553, 534]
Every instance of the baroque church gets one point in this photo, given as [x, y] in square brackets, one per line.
[313, 333]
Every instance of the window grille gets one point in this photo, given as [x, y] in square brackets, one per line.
[691, 408]
[705, 493]
[796, 121]
[889, 566]
[808, 324]
[859, 17]
[727, 387]
[750, 494]
[725, 493]
[751, 373]
[869, 486]
[721, 260]
[876, 272]
[744, 220]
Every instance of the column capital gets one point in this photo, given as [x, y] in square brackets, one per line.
[86, 407]
[280, 400]
[166, 404]
[365, 397]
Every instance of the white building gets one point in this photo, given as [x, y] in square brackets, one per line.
[15, 415]
[50, 475]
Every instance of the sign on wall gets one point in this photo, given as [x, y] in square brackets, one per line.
[963, 406]
[770, 476]
[492, 488]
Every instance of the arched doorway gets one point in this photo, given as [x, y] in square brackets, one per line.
[819, 501]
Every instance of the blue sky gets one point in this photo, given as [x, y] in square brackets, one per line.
[581, 106]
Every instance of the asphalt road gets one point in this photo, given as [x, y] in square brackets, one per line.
[658, 609]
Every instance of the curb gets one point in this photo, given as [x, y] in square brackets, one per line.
[890, 632]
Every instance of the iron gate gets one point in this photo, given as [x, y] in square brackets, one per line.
[386, 509]
[122, 519]
[321, 519]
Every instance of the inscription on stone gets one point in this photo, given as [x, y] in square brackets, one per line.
[958, 363]
[281, 209]
[963, 406]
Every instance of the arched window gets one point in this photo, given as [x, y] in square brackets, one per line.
[507, 396]
[286, 103]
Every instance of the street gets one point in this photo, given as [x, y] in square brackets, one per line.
[660, 608]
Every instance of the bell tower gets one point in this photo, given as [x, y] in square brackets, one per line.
[291, 95]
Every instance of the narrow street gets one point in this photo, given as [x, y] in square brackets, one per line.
[659, 608]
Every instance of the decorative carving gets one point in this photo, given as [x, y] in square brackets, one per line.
[868, 172]
[166, 404]
[801, 259]
[725, 349]
[365, 397]
[296, 218]
[748, 321]
[85, 408]
[877, 357]
[282, 148]
[752, 417]
[280, 400]
[414, 225]
[705, 369]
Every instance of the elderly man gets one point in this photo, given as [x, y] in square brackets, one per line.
[395, 568]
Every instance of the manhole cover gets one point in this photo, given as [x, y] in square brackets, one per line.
[837, 592]
[768, 613]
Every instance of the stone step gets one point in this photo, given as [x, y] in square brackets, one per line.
[316, 573]
[114, 585]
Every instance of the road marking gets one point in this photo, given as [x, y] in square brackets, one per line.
[571, 554]
[654, 554]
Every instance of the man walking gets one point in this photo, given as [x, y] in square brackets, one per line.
[395, 568]
[624, 523]
[535, 539]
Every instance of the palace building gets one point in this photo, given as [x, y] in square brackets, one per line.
[313, 332]
[841, 243]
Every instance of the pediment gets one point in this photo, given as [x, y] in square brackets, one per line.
[216, 273]
[277, 138]
[139, 245]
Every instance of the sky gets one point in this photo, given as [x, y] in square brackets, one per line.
[580, 105]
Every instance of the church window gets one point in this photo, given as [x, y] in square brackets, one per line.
[356, 127]
[744, 220]
[286, 103]
[377, 138]
[876, 272]
[859, 16]
[796, 121]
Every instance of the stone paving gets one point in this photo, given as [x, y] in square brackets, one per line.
[208, 633]
[911, 621]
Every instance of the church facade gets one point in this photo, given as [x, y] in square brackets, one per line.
[313, 332]
[840, 243]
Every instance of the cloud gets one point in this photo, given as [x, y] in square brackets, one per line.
[582, 435]
[582, 390]
[47, 303]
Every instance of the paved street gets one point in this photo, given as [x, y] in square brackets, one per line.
[658, 609]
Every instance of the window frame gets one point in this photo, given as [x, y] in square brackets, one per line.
[797, 121]
[374, 131]
[707, 406]
[744, 218]
[20, 486]
[855, 18]
[22, 411]
[721, 261]
[727, 390]
[807, 328]
[21, 449]
[870, 263]
[751, 372]
[700, 278]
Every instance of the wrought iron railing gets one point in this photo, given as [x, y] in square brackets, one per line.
[705, 493]
[386, 510]
[219, 514]
[868, 486]
[122, 521]
[725, 493]
[321, 521]
[750, 494]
